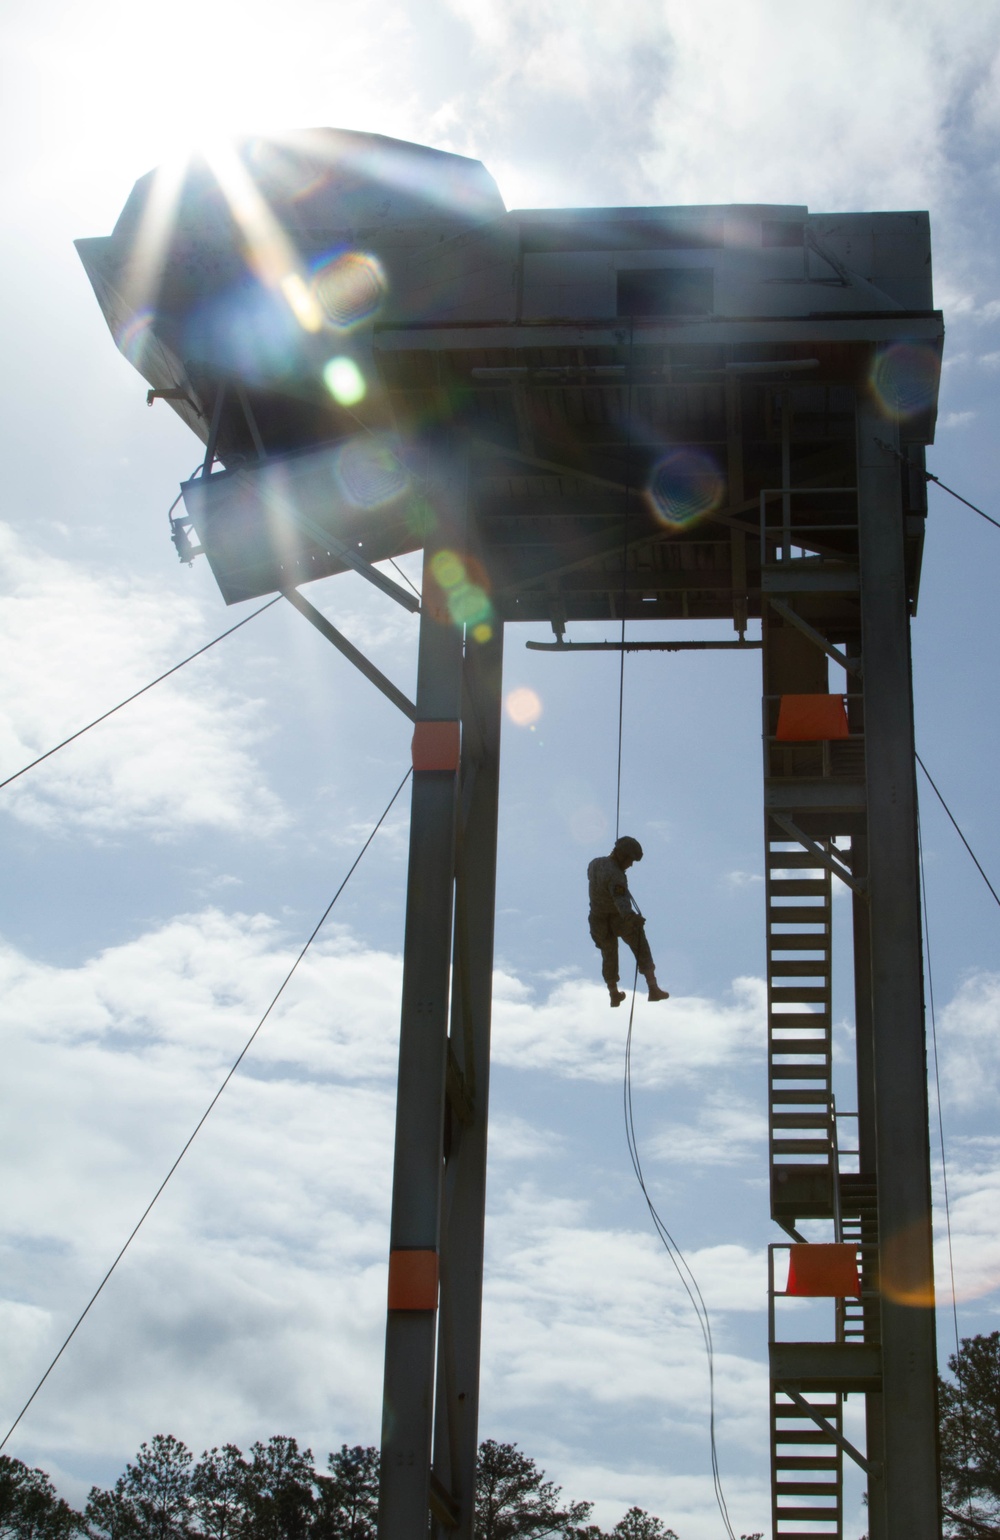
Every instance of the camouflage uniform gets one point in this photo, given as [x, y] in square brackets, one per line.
[613, 914]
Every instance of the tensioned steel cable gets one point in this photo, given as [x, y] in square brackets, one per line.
[940, 1119]
[202, 1120]
[955, 825]
[680, 1262]
[135, 696]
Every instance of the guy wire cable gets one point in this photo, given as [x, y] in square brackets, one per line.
[940, 1113]
[135, 696]
[956, 827]
[202, 1120]
[680, 1262]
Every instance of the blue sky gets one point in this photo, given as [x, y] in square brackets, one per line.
[162, 872]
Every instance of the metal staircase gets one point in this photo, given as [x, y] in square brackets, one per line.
[799, 898]
[807, 1467]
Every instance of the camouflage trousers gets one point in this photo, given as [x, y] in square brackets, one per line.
[605, 930]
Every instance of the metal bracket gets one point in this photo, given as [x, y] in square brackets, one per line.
[823, 857]
[350, 558]
[870, 1467]
[175, 393]
[740, 646]
[852, 665]
[378, 679]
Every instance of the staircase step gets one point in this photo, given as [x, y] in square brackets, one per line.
[813, 1514]
[800, 1146]
[806, 1488]
[797, 887]
[797, 994]
[798, 914]
[799, 941]
[805, 1098]
[799, 967]
[810, 1048]
[812, 1071]
[800, 1021]
[807, 1462]
[800, 1120]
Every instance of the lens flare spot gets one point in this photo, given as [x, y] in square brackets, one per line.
[301, 302]
[904, 378]
[344, 381]
[134, 339]
[350, 288]
[368, 473]
[482, 633]
[685, 486]
[448, 568]
[462, 592]
[523, 707]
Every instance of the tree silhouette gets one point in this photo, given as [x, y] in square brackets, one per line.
[220, 1494]
[970, 1439]
[513, 1499]
[347, 1506]
[29, 1507]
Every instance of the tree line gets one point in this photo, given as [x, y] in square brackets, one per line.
[275, 1492]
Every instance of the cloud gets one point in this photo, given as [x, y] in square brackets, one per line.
[253, 1299]
[969, 1042]
[74, 645]
[571, 1032]
[728, 1131]
[958, 419]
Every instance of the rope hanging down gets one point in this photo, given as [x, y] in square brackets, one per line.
[628, 493]
[202, 1120]
[681, 1265]
[130, 698]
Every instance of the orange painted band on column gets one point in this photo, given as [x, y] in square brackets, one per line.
[811, 718]
[436, 746]
[824, 1271]
[413, 1280]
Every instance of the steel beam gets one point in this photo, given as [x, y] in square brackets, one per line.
[456, 1420]
[909, 1401]
[408, 1390]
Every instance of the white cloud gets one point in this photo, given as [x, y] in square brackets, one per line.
[253, 1299]
[969, 1042]
[572, 1033]
[74, 645]
[728, 1131]
[958, 419]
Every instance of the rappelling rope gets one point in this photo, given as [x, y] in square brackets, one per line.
[681, 1265]
[624, 598]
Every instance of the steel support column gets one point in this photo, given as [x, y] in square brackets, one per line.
[456, 1420]
[911, 1490]
[408, 1391]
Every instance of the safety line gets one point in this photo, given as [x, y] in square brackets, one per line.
[680, 1263]
[628, 493]
[201, 1121]
[937, 1071]
[929, 476]
[956, 827]
[944, 1158]
[128, 700]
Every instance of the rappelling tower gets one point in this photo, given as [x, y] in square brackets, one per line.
[656, 414]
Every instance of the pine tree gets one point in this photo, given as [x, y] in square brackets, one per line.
[513, 1499]
[970, 1439]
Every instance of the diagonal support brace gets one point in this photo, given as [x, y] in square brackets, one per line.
[828, 1428]
[852, 665]
[350, 558]
[351, 652]
[823, 857]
